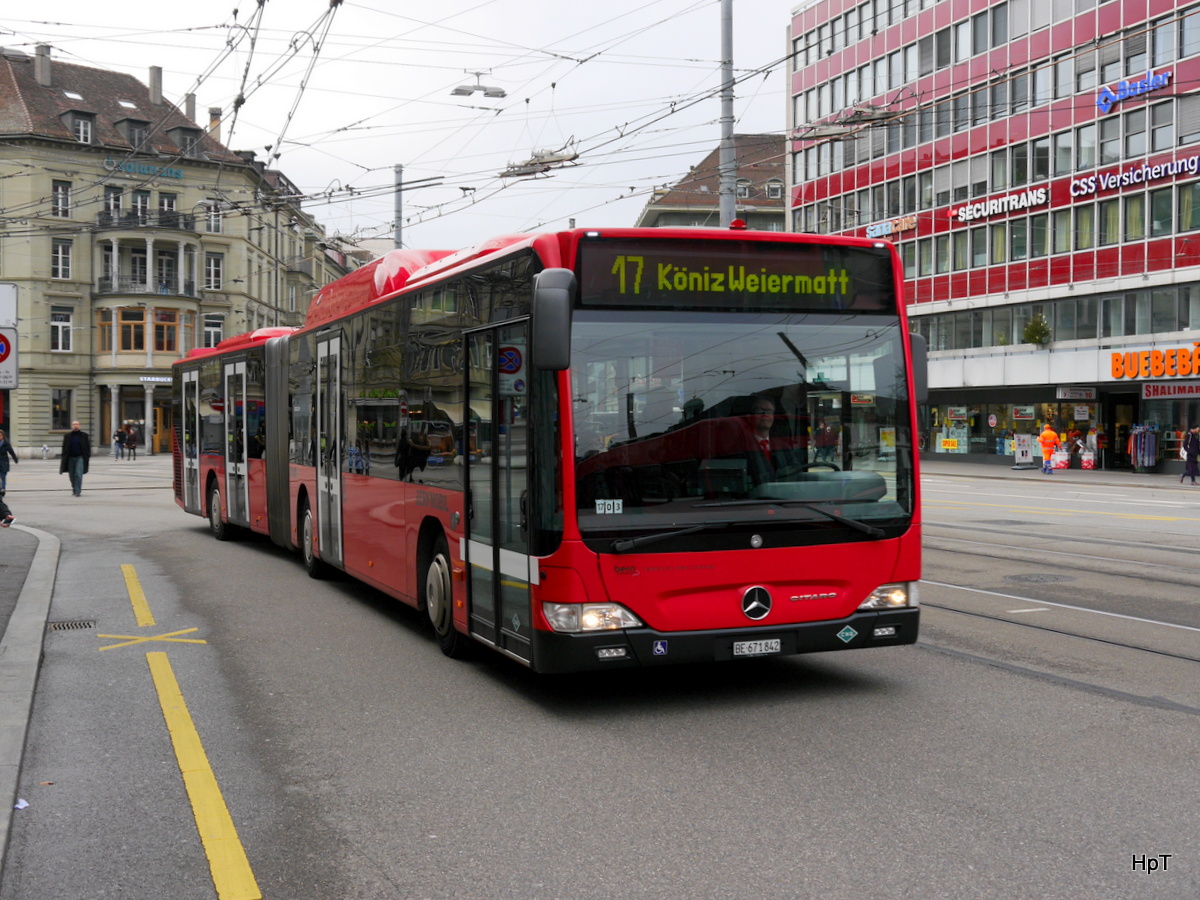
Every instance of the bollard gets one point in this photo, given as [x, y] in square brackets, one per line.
[45, 452]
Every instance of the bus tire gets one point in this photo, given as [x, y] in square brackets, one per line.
[308, 527]
[439, 600]
[220, 529]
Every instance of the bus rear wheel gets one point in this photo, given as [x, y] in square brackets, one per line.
[439, 601]
[218, 527]
[308, 526]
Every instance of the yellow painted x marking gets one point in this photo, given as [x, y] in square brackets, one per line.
[170, 638]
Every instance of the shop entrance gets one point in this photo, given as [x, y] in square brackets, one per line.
[1120, 411]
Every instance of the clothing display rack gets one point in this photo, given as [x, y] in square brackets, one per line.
[1143, 446]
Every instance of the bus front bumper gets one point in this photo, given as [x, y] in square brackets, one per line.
[554, 652]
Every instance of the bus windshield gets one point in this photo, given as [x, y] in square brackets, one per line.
[772, 419]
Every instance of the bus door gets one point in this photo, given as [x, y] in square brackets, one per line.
[236, 504]
[191, 439]
[329, 449]
[497, 534]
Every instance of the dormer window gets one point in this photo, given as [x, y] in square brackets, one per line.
[136, 132]
[188, 140]
[774, 190]
[743, 188]
[81, 128]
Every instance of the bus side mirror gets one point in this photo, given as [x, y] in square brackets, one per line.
[920, 367]
[550, 337]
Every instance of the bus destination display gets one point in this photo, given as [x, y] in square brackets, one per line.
[734, 275]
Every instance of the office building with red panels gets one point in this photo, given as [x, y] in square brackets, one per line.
[1037, 163]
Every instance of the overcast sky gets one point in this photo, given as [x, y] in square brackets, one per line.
[631, 86]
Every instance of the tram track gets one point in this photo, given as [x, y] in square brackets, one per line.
[1070, 633]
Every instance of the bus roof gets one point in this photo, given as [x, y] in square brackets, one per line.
[394, 270]
[249, 339]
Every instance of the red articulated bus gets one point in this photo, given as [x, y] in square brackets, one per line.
[588, 449]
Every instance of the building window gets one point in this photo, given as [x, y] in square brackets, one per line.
[1161, 213]
[1061, 222]
[60, 259]
[60, 199]
[1085, 147]
[979, 246]
[212, 218]
[1189, 206]
[133, 328]
[1135, 133]
[1110, 141]
[959, 259]
[60, 409]
[743, 189]
[1062, 153]
[1018, 234]
[81, 128]
[1189, 33]
[1039, 236]
[1085, 227]
[112, 201]
[104, 321]
[941, 254]
[137, 267]
[166, 330]
[1135, 217]
[60, 328]
[214, 271]
[774, 190]
[1109, 230]
[1162, 42]
[1162, 126]
[141, 206]
[214, 329]
[138, 132]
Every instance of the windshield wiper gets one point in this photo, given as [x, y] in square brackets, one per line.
[624, 546]
[870, 530]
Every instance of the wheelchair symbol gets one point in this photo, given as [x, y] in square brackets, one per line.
[660, 648]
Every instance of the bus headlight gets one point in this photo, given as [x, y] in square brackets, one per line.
[578, 617]
[891, 596]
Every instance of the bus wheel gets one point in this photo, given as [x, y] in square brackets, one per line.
[439, 601]
[312, 565]
[219, 528]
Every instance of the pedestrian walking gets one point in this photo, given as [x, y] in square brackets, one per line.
[6, 451]
[1050, 442]
[1191, 454]
[76, 455]
[118, 439]
[131, 442]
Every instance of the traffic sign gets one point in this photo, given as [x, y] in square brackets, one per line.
[8, 359]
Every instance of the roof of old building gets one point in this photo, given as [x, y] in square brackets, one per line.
[29, 109]
[760, 158]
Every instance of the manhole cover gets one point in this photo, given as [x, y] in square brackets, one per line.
[1038, 579]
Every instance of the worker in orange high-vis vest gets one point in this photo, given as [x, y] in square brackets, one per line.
[1050, 442]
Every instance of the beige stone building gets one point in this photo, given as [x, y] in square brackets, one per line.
[132, 235]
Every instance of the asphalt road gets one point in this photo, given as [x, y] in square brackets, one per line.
[1008, 754]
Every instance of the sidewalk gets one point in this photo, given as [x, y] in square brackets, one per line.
[28, 567]
[1123, 478]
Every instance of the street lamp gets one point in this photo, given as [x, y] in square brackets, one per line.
[466, 90]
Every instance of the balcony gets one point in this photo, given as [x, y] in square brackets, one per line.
[128, 285]
[162, 219]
